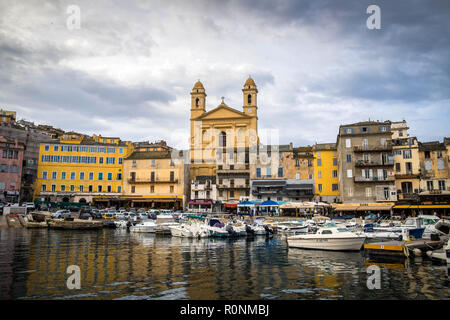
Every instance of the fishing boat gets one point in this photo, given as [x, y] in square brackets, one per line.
[329, 237]
[145, 226]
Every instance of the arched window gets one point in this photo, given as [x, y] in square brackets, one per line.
[249, 99]
[223, 139]
[197, 102]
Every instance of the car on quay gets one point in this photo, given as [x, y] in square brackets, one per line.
[85, 216]
[108, 216]
[29, 205]
[95, 213]
[61, 214]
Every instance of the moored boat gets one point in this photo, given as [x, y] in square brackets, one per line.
[329, 237]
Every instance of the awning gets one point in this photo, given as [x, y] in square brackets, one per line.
[231, 205]
[423, 206]
[269, 203]
[374, 208]
[246, 204]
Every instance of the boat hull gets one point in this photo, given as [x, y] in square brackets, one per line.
[341, 244]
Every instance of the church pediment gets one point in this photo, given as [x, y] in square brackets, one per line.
[223, 112]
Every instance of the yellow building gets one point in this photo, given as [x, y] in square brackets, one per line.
[7, 116]
[326, 173]
[80, 169]
[223, 141]
[155, 179]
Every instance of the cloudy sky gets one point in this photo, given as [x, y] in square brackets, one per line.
[129, 69]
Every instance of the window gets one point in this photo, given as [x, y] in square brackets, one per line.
[280, 172]
[319, 162]
[72, 188]
[349, 130]
[349, 173]
[349, 158]
[430, 185]
[172, 176]
[223, 139]
[90, 188]
[53, 188]
[368, 192]
[427, 154]
[258, 172]
[44, 175]
[348, 143]
[406, 154]
[100, 188]
[365, 142]
[334, 187]
[171, 189]
[397, 167]
[152, 176]
[249, 99]
[319, 174]
[134, 163]
[110, 176]
[54, 175]
[297, 163]
[334, 174]
[364, 129]
[100, 159]
[72, 176]
[441, 185]
[44, 188]
[100, 176]
[120, 150]
[152, 189]
[55, 148]
[269, 172]
[153, 163]
[47, 147]
[91, 176]
[385, 128]
[63, 188]
[231, 194]
[119, 189]
[428, 165]
[120, 160]
[439, 153]
[335, 163]
[310, 163]
[320, 187]
[81, 188]
[81, 175]
[108, 188]
[440, 164]
[350, 192]
[119, 176]
[297, 176]
[63, 175]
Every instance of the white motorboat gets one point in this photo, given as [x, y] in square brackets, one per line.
[145, 226]
[292, 227]
[443, 254]
[329, 237]
[256, 229]
[182, 231]
[121, 224]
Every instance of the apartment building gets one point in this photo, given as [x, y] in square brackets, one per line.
[326, 175]
[434, 167]
[366, 164]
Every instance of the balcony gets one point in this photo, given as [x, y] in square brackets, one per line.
[373, 148]
[373, 179]
[148, 180]
[233, 171]
[201, 187]
[233, 186]
[364, 163]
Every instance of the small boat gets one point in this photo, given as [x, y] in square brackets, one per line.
[329, 237]
[121, 224]
[145, 226]
[292, 227]
[442, 255]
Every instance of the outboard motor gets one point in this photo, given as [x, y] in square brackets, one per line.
[250, 231]
[229, 229]
[269, 231]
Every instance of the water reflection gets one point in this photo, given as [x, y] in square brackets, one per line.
[116, 264]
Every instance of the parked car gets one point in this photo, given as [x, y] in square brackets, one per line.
[85, 216]
[108, 216]
[61, 214]
[132, 216]
[95, 213]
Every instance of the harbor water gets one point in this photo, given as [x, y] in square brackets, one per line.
[117, 264]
